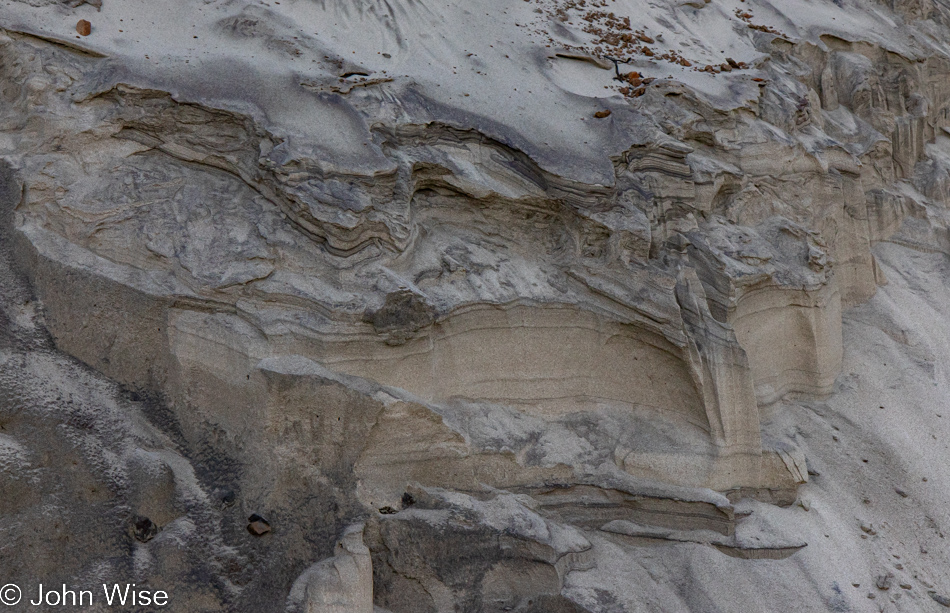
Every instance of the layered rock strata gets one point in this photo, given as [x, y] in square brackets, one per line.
[438, 302]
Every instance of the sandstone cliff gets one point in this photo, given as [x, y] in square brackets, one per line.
[464, 306]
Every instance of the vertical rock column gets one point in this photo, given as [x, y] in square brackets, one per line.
[340, 584]
[722, 374]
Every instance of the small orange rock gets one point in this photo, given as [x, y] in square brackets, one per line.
[257, 525]
[84, 27]
[602, 114]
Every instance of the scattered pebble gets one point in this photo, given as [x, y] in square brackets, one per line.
[602, 114]
[84, 27]
[227, 498]
[900, 492]
[387, 511]
[257, 525]
[883, 582]
[144, 529]
[939, 599]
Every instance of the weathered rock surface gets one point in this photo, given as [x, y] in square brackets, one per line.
[492, 345]
[341, 584]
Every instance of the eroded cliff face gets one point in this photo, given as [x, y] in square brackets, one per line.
[489, 339]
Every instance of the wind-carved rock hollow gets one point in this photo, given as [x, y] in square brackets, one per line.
[501, 313]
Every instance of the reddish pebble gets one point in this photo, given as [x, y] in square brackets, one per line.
[84, 27]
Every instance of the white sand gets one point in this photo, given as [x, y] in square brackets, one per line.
[478, 63]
